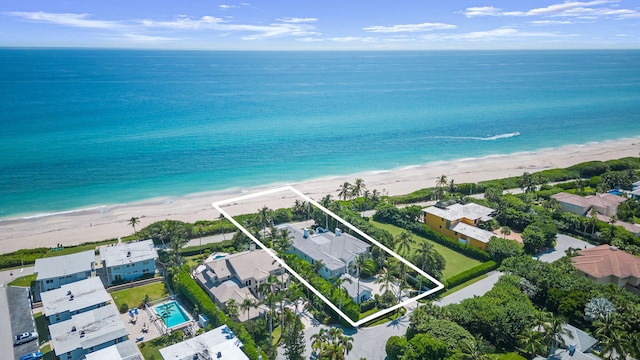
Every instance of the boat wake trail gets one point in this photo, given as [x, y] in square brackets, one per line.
[487, 138]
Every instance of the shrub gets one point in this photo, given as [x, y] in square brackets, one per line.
[367, 305]
[124, 307]
[474, 272]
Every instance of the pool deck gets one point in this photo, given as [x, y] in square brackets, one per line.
[135, 329]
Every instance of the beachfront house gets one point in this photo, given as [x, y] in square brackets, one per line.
[56, 271]
[74, 298]
[219, 343]
[87, 332]
[459, 222]
[336, 250]
[605, 204]
[578, 345]
[238, 277]
[635, 190]
[607, 264]
[128, 261]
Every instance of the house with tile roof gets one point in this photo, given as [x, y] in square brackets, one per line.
[238, 277]
[605, 204]
[460, 222]
[337, 250]
[607, 264]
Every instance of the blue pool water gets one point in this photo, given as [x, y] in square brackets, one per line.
[177, 315]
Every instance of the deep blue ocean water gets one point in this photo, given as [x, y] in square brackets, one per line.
[81, 128]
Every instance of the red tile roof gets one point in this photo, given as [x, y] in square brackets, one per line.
[604, 260]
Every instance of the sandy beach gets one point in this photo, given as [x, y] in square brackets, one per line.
[106, 222]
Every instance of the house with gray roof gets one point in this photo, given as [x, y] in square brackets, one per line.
[56, 271]
[238, 277]
[219, 343]
[87, 332]
[357, 291]
[578, 345]
[128, 261]
[336, 250]
[74, 298]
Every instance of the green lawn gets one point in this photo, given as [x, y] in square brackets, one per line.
[23, 280]
[151, 349]
[42, 327]
[133, 297]
[456, 262]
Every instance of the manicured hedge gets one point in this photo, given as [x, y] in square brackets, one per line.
[21, 257]
[188, 288]
[474, 272]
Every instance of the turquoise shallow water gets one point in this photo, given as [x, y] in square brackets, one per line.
[92, 127]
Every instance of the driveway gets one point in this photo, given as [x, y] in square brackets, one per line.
[563, 243]
[476, 289]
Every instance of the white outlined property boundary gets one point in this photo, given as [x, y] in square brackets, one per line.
[218, 206]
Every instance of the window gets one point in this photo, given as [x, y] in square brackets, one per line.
[49, 281]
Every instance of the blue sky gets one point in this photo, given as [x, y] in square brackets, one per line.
[318, 25]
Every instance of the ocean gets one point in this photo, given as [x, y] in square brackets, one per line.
[83, 128]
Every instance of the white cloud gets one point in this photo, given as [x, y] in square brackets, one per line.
[499, 33]
[225, 7]
[550, 22]
[67, 19]
[490, 11]
[582, 9]
[148, 38]
[298, 20]
[409, 28]
[350, 39]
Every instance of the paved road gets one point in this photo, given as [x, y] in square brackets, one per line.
[476, 289]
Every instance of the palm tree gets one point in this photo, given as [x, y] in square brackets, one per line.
[283, 242]
[344, 191]
[358, 188]
[609, 331]
[442, 181]
[505, 231]
[133, 222]
[555, 332]
[336, 285]
[385, 280]
[246, 305]
[294, 293]
[425, 257]
[593, 220]
[318, 340]
[404, 240]
[270, 297]
[232, 308]
[475, 349]
[530, 342]
[527, 182]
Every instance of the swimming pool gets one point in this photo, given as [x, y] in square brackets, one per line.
[176, 314]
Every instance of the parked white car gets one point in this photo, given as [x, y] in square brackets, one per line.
[24, 338]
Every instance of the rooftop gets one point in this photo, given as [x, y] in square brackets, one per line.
[58, 266]
[604, 260]
[256, 264]
[599, 200]
[87, 329]
[126, 350]
[128, 252]
[473, 232]
[335, 249]
[352, 287]
[207, 346]
[634, 228]
[75, 296]
[471, 211]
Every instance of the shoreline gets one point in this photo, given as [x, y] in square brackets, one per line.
[100, 222]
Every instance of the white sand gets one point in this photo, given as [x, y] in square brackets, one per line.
[101, 223]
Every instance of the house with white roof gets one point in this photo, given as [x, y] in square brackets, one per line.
[358, 292]
[459, 222]
[87, 332]
[635, 190]
[121, 351]
[56, 271]
[219, 343]
[578, 345]
[238, 277]
[74, 298]
[337, 250]
[128, 261]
